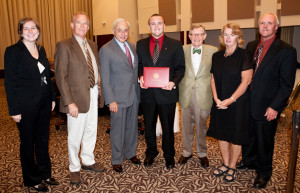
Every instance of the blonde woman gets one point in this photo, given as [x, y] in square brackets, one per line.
[230, 114]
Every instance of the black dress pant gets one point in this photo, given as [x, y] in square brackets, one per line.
[34, 137]
[259, 152]
[166, 114]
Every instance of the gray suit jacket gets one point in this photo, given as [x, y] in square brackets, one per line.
[120, 81]
[72, 74]
[199, 82]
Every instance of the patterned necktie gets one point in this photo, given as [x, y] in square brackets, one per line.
[258, 55]
[128, 55]
[155, 52]
[90, 64]
[198, 51]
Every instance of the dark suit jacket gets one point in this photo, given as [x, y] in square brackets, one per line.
[172, 56]
[120, 81]
[274, 79]
[23, 78]
[72, 74]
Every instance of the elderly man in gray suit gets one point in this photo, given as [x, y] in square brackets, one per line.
[195, 96]
[119, 72]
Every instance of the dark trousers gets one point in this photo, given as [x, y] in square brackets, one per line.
[259, 152]
[34, 137]
[166, 114]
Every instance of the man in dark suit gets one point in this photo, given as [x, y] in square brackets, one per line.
[272, 84]
[160, 101]
[77, 75]
[119, 72]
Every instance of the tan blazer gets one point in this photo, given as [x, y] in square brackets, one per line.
[199, 82]
[72, 74]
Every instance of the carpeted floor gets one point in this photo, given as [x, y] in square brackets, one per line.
[184, 178]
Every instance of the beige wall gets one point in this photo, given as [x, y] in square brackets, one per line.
[138, 12]
[145, 9]
[104, 14]
[106, 11]
[128, 11]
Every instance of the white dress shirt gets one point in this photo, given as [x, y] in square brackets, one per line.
[196, 59]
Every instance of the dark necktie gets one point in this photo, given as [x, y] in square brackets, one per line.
[155, 52]
[257, 56]
[198, 51]
[128, 55]
[90, 64]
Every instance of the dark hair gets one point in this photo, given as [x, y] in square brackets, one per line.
[155, 15]
[21, 25]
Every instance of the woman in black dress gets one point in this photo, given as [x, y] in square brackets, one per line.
[231, 75]
[30, 99]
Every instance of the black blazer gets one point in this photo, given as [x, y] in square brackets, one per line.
[172, 56]
[22, 77]
[274, 79]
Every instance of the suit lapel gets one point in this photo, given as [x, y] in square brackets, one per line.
[148, 54]
[135, 63]
[188, 59]
[120, 52]
[269, 55]
[163, 51]
[203, 60]
[94, 51]
[78, 50]
[32, 62]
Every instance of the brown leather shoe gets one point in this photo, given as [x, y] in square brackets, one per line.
[148, 161]
[135, 160]
[75, 178]
[51, 182]
[204, 162]
[183, 160]
[260, 182]
[96, 167]
[118, 168]
[39, 188]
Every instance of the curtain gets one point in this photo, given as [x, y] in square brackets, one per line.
[54, 17]
[286, 34]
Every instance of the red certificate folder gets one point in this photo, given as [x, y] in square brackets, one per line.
[156, 77]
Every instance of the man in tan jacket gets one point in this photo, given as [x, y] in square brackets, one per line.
[77, 75]
[195, 96]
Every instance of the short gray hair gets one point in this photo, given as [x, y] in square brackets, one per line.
[118, 20]
[195, 26]
[80, 13]
[269, 13]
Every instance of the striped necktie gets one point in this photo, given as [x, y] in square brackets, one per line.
[155, 52]
[90, 64]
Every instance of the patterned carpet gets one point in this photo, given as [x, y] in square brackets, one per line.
[184, 178]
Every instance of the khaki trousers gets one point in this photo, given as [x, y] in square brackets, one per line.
[192, 117]
[82, 133]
